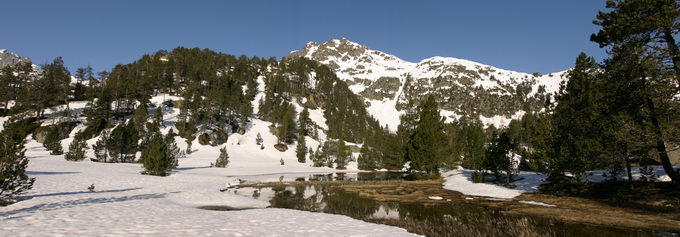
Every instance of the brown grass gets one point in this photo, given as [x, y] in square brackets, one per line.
[645, 209]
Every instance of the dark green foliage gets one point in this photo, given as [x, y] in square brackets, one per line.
[53, 141]
[155, 157]
[345, 113]
[99, 114]
[80, 91]
[9, 92]
[245, 112]
[151, 129]
[101, 148]
[76, 150]
[577, 122]
[51, 88]
[122, 143]
[279, 111]
[223, 160]
[305, 123]
[454, 147]
[16, 81]
[140, 118]
[319, 158]
[643, 22]
[473, 142]
[425, 148]
[498, 155]
[644, 68]
[158, 116]
[408, 121]
[13, 162]
[300, 149]
[382, 149]
[204, 139]
[174, 153]
[342, 156]
[18, 129]
[573, 138]
[366, 160]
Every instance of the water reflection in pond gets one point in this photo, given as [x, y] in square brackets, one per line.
[453, 218]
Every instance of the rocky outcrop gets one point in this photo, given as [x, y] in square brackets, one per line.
[10, 59]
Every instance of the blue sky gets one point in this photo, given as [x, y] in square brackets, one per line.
[527, 36]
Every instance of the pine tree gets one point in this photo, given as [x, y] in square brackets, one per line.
[123, 143]
[13, 162]
[158, 116]
[79, 88]
[223, 160]
[343, 155]
[101, 147]
[473, 139]
[454, 145]
[652, 23]
[498, 156]
[641, 34]
[305, 122]
[174, 153]
[24, 83]
[53, 142]
[245, 111]
[426, 146]
[318, 159]
[140, 118]
[7, 81]
[252, 89]
[576, 122]
[286, 120]
[327, 154]
[51, 88]
[365, 160]
[301, 149]
[155, 157]
[408, 121]
[76, 150]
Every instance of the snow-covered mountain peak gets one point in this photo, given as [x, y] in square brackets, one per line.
[353, 61]
[462, 87]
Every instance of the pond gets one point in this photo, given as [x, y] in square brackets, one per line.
[454, 216]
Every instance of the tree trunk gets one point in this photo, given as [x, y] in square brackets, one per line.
[630, 175]
[660, 145]
[508, 173]
[673, 51]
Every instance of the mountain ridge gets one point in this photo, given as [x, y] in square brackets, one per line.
[387, 83]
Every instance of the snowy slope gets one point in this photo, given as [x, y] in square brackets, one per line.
[380, 78]
[526, 181]
[126, 203]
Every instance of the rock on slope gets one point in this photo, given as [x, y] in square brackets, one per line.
[10, 59]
